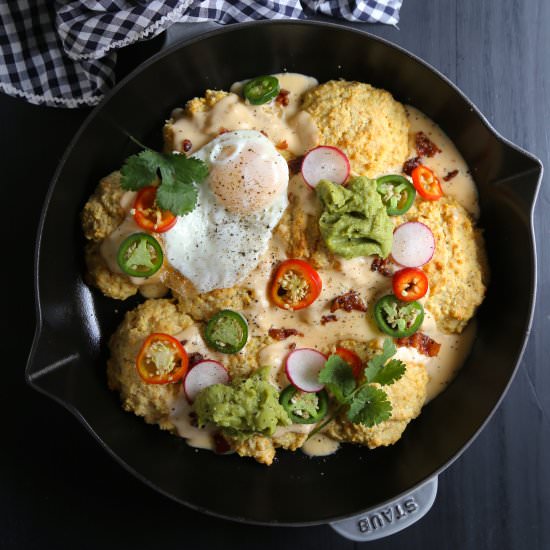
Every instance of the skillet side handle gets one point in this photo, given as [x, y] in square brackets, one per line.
[525, 178]
[386, 521]
[50, 354]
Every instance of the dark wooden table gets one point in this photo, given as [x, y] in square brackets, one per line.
[60, 490]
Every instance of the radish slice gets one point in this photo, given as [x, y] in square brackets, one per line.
[203, 374]
[413, 244]
[302, 368]
[325, 163]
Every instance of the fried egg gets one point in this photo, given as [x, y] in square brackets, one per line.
[240, 203]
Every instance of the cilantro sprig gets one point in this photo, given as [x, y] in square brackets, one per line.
[179, 177]
[366, 403]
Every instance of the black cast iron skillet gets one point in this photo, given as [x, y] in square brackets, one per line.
[67, 361]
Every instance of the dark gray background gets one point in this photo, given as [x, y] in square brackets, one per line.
[59, 489]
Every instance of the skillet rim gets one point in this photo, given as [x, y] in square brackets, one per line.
[29, 376]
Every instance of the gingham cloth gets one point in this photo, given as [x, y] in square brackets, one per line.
[63, 53]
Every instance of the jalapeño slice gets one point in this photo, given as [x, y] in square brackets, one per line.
[226, 332]
[396, 318]
[397, 192]
[262, 89]
[140, 255]
[304, 407]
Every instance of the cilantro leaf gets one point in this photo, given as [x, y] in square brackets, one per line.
[179, 198]
[393, 370]
[188, 170]
[338, 377]
[179, 176]
[369, 407]
[137, 172]
[375, 365]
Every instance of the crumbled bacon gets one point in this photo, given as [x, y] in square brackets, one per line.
[283, 99]
[283, 333]
[186, 145]
[348, 301]
[282, 144]
[410, 165]
[450, 175]
[425, 147]
[295, 164]
[292, 346]
[422, 342]
[222, 130]
[328, 319]
[195, 358]
[383, 266]
[221, 446]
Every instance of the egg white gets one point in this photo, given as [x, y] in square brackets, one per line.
[217, 248]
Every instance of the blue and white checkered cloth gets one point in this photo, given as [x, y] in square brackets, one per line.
[62, 53]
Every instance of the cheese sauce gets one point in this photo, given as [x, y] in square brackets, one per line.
[284, 125]
[461, 187]
[289, 126]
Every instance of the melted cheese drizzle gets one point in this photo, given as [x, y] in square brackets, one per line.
[280, 123]
[462, 186]
[288, 124]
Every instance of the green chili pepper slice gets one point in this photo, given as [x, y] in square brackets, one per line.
[262, 89]
[226, 332]
[140, 255]
[303, 407]
[398, 193]
[396, 318]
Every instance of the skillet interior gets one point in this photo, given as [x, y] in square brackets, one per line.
[69, 354]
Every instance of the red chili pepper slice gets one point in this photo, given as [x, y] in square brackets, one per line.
[410, 284]
[426, 183]
[296, 285]
[161, 359]
[148, 215]
[353, 360]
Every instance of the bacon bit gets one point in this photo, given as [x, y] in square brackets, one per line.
[425, 147]
[292, 346]
[295, 165]
[283, 333]
[422, 342]
[410, 165]
[283, 99]
[221, 445]
[328, 319]
[222, 130]
[383, 266]
[450, 175]
[348, 301]
[195, 358]
[282, 144]
[186, 145]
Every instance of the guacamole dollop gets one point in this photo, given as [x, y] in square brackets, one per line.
[354, 221]
[248, 405]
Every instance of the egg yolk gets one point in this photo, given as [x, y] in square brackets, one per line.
[247, 179]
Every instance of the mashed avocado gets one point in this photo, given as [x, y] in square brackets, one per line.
[354, 221]
[248, 405]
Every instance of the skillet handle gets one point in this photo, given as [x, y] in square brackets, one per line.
[392, 518]
[49, 357]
